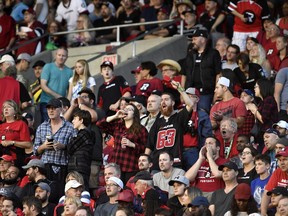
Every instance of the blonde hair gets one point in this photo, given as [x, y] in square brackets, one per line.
[13, 104]
[261, 55]
[76, 175]
[86, 73]
[74, 200]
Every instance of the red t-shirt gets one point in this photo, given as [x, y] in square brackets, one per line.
[278, 178]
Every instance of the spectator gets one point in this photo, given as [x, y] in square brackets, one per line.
[113, 187]
[222, 198]
[167, 173]
[247, 73]
[11, 205]
[250, 42]
[43, 192]
[5, 162]
[168, 31]
[280, 93]
[270, 46]
[201, 63]
[265, 112]
[54, 80]
[55, 41]
[94, 9]
[247, 24]
[8, 33]
[231, 57]
[243, 202]
[81, 79]
[35, 87]
[150, 14]
[204, 173]
[128, 13]
[68, 12]
[113, 88]
[148, 82]
[107, 19]
[130, 139]
[282, 127]
[36, 173]
[242, 142]
[22, 65]
[179, 7]
[199, 206]
[41, 9]
[280, 59]
[228, 107]
[276, 194]
[278, 177]
[179, 184]
[281, 208]
[11, 179]
[198, 128]
[15, 140]
[83, 211]
[169, 122]
[81, 38]
[262, 166]
[189, 16]
[71, 205]
[247, 96]
[79, 148]
[248, 173]
[31, 206]
[281, 21]
[222, 46]
[52, 145]
[31, 30]
[190, 193]
[258, 55]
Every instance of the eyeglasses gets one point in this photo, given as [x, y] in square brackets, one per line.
[128, 109]
[245, 153]
[110, 185]
[84, 96]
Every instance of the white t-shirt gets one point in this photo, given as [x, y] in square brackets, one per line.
[70, 12]
[77, 88]
[44, 11]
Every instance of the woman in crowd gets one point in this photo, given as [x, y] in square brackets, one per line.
[70, 206]
[55, 41]
[243, 202]
[80, 147]
[248, 172]
[130, 138]
[250, 42]
[81, 79]
[81, 38]
[15, 137]
[189, 194]
[266, 112]
[258, 55]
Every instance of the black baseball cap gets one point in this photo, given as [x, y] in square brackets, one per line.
[143, 175]
[107, 63]
[56, 103]
[229, 164]
[138, 98]
[278, 191]
[39, 63]
[89, 92]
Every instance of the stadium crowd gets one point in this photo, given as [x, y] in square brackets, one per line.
[202, 135]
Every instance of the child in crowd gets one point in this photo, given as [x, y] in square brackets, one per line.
[81, 79]
[113, 88]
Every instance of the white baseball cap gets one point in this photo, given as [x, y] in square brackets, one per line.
[117, 181]
[72, 184]
[224, 81]
[281, 124]
[7, 58]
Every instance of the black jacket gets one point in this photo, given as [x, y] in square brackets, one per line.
[210, 66]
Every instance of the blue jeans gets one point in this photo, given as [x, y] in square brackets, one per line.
[43, 110]
[190, 156]
[205, 102]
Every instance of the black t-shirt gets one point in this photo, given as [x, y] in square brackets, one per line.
[101, 23]
[124, 18]
[197, 78]
[246, 177]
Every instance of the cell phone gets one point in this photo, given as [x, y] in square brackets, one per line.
[50, 139]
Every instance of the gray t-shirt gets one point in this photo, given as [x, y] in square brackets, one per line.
[282, 77]
[106, 209]
[160, 181]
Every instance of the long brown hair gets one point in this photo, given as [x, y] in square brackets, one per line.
[136, 125]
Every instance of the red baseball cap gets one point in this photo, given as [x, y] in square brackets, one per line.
[126, 196]
[283, 153]
[7, 158]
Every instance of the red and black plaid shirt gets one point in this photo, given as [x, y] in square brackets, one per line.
[126, 158]
[249, 123]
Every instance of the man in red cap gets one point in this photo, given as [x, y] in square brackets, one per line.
[278, 178]
[5, 162]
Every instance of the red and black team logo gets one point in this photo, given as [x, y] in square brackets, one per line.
[250, 16]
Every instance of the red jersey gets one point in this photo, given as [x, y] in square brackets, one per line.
[205, 180]
[254, 11]
[146, 86]
[7, 30]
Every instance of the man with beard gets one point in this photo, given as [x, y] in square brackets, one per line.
[231, 57]
[36, 172]
[42, 192]
[204, 173]
[229, 106]
[107, 35]
[201, 67]
[167, 132]
[11, 179]
[241, 143]
[31, 206]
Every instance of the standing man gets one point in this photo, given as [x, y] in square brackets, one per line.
[281, 92]
[50, 143]
[201, 68]
[54, 80]
[167, 131]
